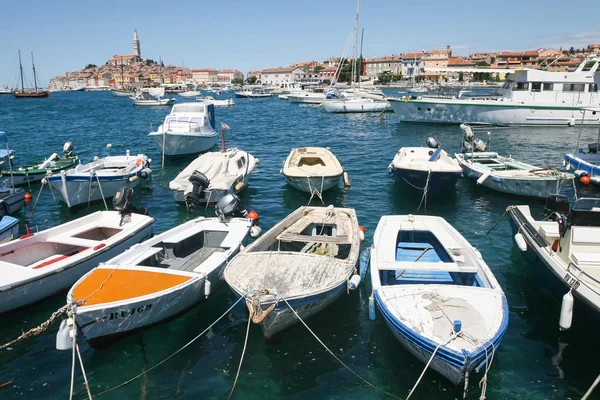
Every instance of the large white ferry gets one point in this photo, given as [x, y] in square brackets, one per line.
[528, 97]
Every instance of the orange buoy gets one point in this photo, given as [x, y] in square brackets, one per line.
[253, 215]
[585, 180]
[139, 162]
[28, 197]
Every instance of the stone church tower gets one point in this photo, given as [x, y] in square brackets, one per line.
[136, 45]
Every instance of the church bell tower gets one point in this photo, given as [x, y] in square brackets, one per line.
[136, 45]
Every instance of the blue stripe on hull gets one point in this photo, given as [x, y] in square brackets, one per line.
[591, 169]
[439, 182]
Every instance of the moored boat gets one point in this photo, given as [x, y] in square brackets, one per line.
[152, 97]
[9, 228]
[437, 295]
[36, 93]
[311, 169]
[356, 105]
[254, 93]
[309, 259]
[41, 264]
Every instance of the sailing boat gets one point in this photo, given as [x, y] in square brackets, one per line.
[122, 92]
[29, 93]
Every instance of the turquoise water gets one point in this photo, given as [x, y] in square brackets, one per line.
[294, 365]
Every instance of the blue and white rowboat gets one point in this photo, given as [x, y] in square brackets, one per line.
[9, 228]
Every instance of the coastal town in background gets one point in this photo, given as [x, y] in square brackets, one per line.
[428, 66]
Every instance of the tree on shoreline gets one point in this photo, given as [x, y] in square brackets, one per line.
[90, 66]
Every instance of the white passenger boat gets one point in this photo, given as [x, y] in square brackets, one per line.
[314, 96]
[505, 174]
[311, 169]
[152, 97]
[101, 178]
[213, 175]
[528, 97]
[564, 251]
[436, 294]
[309, 259]
[254, 93]
[156, 280]
[41, 264]
[188, 129]
[423, 168]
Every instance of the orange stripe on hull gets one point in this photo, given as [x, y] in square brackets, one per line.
[123, 284]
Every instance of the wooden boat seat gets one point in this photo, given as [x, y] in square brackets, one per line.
[194, 261]
[69, 240]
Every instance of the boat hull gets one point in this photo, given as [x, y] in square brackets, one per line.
[60, 280]
[9, 229]
[496, 112]
[439, 182]
[150, 103]
[11, 200]
[32, 94]
[309, 185]
[337, 106]
[177, 144]
[306, 99]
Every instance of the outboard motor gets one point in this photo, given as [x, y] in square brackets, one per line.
[479, 145]
[466, 147]
[557, 203]
[122, 202]
[229, 207]
[433, 143]
[199, 182]
[68, 149]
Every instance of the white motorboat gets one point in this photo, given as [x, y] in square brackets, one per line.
[100, 179]
[436, 294]
[190, 93]
[122, 92]
[213, 175]
[309, 259]
[564, 251]
[311, 169]
[9, 228]
[505, 174]
[423, 168]
[254, 93]
[528, 97]
[314, 96]
[152, 97]
[356, 105]
[188, 129]
[41, 264]
[216, 102]
[156, 280]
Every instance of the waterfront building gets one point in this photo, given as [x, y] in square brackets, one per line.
[411, 65]
[433, 61]
[227, 75]
[277, 76]
[375, 66]
[327, 73]
[331, 62]
[205, 76]
[462, 65]
[512, 59]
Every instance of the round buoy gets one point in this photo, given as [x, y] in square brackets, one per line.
[585, 180]
[139, 162]
[28, 197]
[253, 215]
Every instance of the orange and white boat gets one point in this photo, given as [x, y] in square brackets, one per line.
[155, 280]
[38, 265]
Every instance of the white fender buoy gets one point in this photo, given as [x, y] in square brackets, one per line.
[239, 186]
[347, 182]
[566, 312]
[520, 242]
[572, 122]
[568, 167]
[354, 282]
[63, 336]
[255, 231]
[207, 287]
[564, 163]
[579, 173]
[483, 177]
[371, 308]
[361, 235]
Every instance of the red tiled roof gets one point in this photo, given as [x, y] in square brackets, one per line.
[413, 55]
[278, 70]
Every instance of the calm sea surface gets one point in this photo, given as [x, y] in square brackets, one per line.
[535, 360]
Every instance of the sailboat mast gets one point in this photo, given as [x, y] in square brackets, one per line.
[362, 36]
[21, 68]
[355, 66]
[34, 77]
[122, 81]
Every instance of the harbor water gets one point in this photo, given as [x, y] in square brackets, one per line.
[535, 360]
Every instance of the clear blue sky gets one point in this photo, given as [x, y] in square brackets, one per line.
[67, 35]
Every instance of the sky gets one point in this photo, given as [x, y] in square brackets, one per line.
[253, 35]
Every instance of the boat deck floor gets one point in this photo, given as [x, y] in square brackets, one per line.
[189, 263]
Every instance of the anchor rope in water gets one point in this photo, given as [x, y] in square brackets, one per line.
[337, 358]
[173, 354]
[424, 198]
[87, 386]
[315, 190]
[501, 218]
[38, 329]
[237, 375]
[37, 198]
[101, 192]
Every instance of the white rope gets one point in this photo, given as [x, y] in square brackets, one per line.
[37, 198]
[87, 386]
[454, 336]
[336, 357]
[101, 192]
[424, 198]
[73, 365]
[173, 354]
[488, 365]
[591, 389]
[237, 375]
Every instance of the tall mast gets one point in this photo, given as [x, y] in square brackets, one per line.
[34, 78]
[122, 81]
[355, 64]
[362, 36]
[21, 68]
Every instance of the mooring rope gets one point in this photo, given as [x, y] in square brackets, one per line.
[591, 389]
[173, 354]
[87, 386]
[424, 198]
[101, 192]
[37, 198]
[38, 329]
[237, 375]
[337, 358]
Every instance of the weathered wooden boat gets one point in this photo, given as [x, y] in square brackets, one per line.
[505, 174]
[38, 265]
[437, 295]
[311, 169]
[9, 228]
[158, 279]
[564, 251]
[425, 168]
[35, 172]
[308, 259]
[100, 178]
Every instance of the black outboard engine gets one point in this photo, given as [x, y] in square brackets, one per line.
[122, 202]
[479, 144]
[229, 207]
[68, 149]
[199, 183]
[433, 143]
[466, 147]
[557, 203]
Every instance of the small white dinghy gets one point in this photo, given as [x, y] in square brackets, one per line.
[38, 265]
[158, 279]
[437, 295]
[100, 179]
[309, 259]
[213, 175]
[188, 129]
[216, 102]
[152, 97]
[313, 169]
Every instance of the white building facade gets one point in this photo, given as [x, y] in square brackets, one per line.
[376, 66]
[278, 76]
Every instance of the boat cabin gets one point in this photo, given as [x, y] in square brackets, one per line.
[190, 117]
